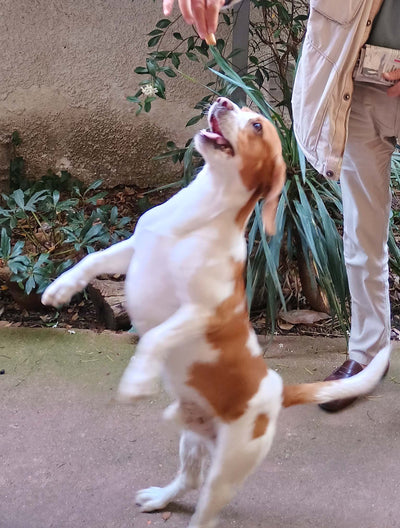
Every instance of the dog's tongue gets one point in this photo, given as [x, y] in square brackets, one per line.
[220, 140]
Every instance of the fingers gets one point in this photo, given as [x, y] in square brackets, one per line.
[212, 12]
[185, 7]
[199, 10]
[167, 7]
[393, 91]
[203, 14]
[393, 75]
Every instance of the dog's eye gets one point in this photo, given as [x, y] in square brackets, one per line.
[257, 127]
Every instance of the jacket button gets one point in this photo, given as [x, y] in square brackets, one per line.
[330, 174]
[346, 97]
[369, 22]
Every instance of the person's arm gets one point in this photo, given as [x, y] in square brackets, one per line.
[393, 91]
[203, 14]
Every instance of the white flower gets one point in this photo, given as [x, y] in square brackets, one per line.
[149, 90]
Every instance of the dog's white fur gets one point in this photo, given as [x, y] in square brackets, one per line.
[185, 294]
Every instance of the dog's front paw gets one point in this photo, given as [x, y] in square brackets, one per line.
[62, 289]
[152, 499]
[131, 389]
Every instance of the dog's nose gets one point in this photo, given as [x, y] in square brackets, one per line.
[223, 101]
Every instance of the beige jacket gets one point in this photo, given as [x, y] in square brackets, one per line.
[323, 87]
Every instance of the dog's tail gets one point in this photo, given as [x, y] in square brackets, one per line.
[326, 391]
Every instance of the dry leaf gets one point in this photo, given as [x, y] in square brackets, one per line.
[285, 326]
[303, 317]
[166, 515]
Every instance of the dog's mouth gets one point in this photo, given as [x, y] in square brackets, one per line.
[216, 137]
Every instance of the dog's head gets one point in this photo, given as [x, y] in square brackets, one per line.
[244, 143]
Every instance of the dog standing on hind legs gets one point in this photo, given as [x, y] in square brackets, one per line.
[185, 292]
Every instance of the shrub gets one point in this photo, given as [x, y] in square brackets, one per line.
[50, 225]
[308, 243]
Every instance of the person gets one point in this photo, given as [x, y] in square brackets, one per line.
[347, 128]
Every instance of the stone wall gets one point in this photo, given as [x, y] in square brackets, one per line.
[66, 69]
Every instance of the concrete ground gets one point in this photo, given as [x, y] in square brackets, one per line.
[71, 458]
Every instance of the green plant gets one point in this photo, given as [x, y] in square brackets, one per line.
[394, 228]
[308, 243]
[308, 218]
[45, 229]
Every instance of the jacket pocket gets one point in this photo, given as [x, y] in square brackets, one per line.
[341, 12]
[312, 98]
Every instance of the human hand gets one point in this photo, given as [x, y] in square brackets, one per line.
[393, 91]
[203, 14]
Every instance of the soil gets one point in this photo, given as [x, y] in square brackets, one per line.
[82, 313]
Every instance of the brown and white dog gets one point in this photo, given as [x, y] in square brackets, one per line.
[185, 293]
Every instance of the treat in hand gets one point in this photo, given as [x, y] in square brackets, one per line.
[210, 39]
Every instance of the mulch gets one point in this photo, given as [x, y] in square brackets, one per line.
[83, 313]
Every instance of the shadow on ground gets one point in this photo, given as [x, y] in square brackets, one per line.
[70, 458]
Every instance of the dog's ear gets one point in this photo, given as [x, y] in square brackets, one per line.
[272, 193]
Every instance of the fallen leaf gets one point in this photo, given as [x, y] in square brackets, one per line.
[46, 318]
[303, 317]
[166, 515]
[285, 326]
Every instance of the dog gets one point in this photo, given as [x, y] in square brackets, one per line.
[185, 293]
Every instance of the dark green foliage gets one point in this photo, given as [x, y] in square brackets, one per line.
[51, 224]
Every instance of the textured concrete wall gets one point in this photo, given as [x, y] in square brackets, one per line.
[65, 71]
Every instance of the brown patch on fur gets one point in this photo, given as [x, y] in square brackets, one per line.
[244, 213]
[263, 169]
[258, 151]
[303, 393]
[260, 425]
[234, 378]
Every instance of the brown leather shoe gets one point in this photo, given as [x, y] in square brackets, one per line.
[348, 369]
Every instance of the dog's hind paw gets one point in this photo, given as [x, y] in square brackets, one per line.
[151, 499]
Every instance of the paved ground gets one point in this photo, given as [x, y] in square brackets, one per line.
[70, 458]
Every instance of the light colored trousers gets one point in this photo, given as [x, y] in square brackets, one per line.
[373, 127]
